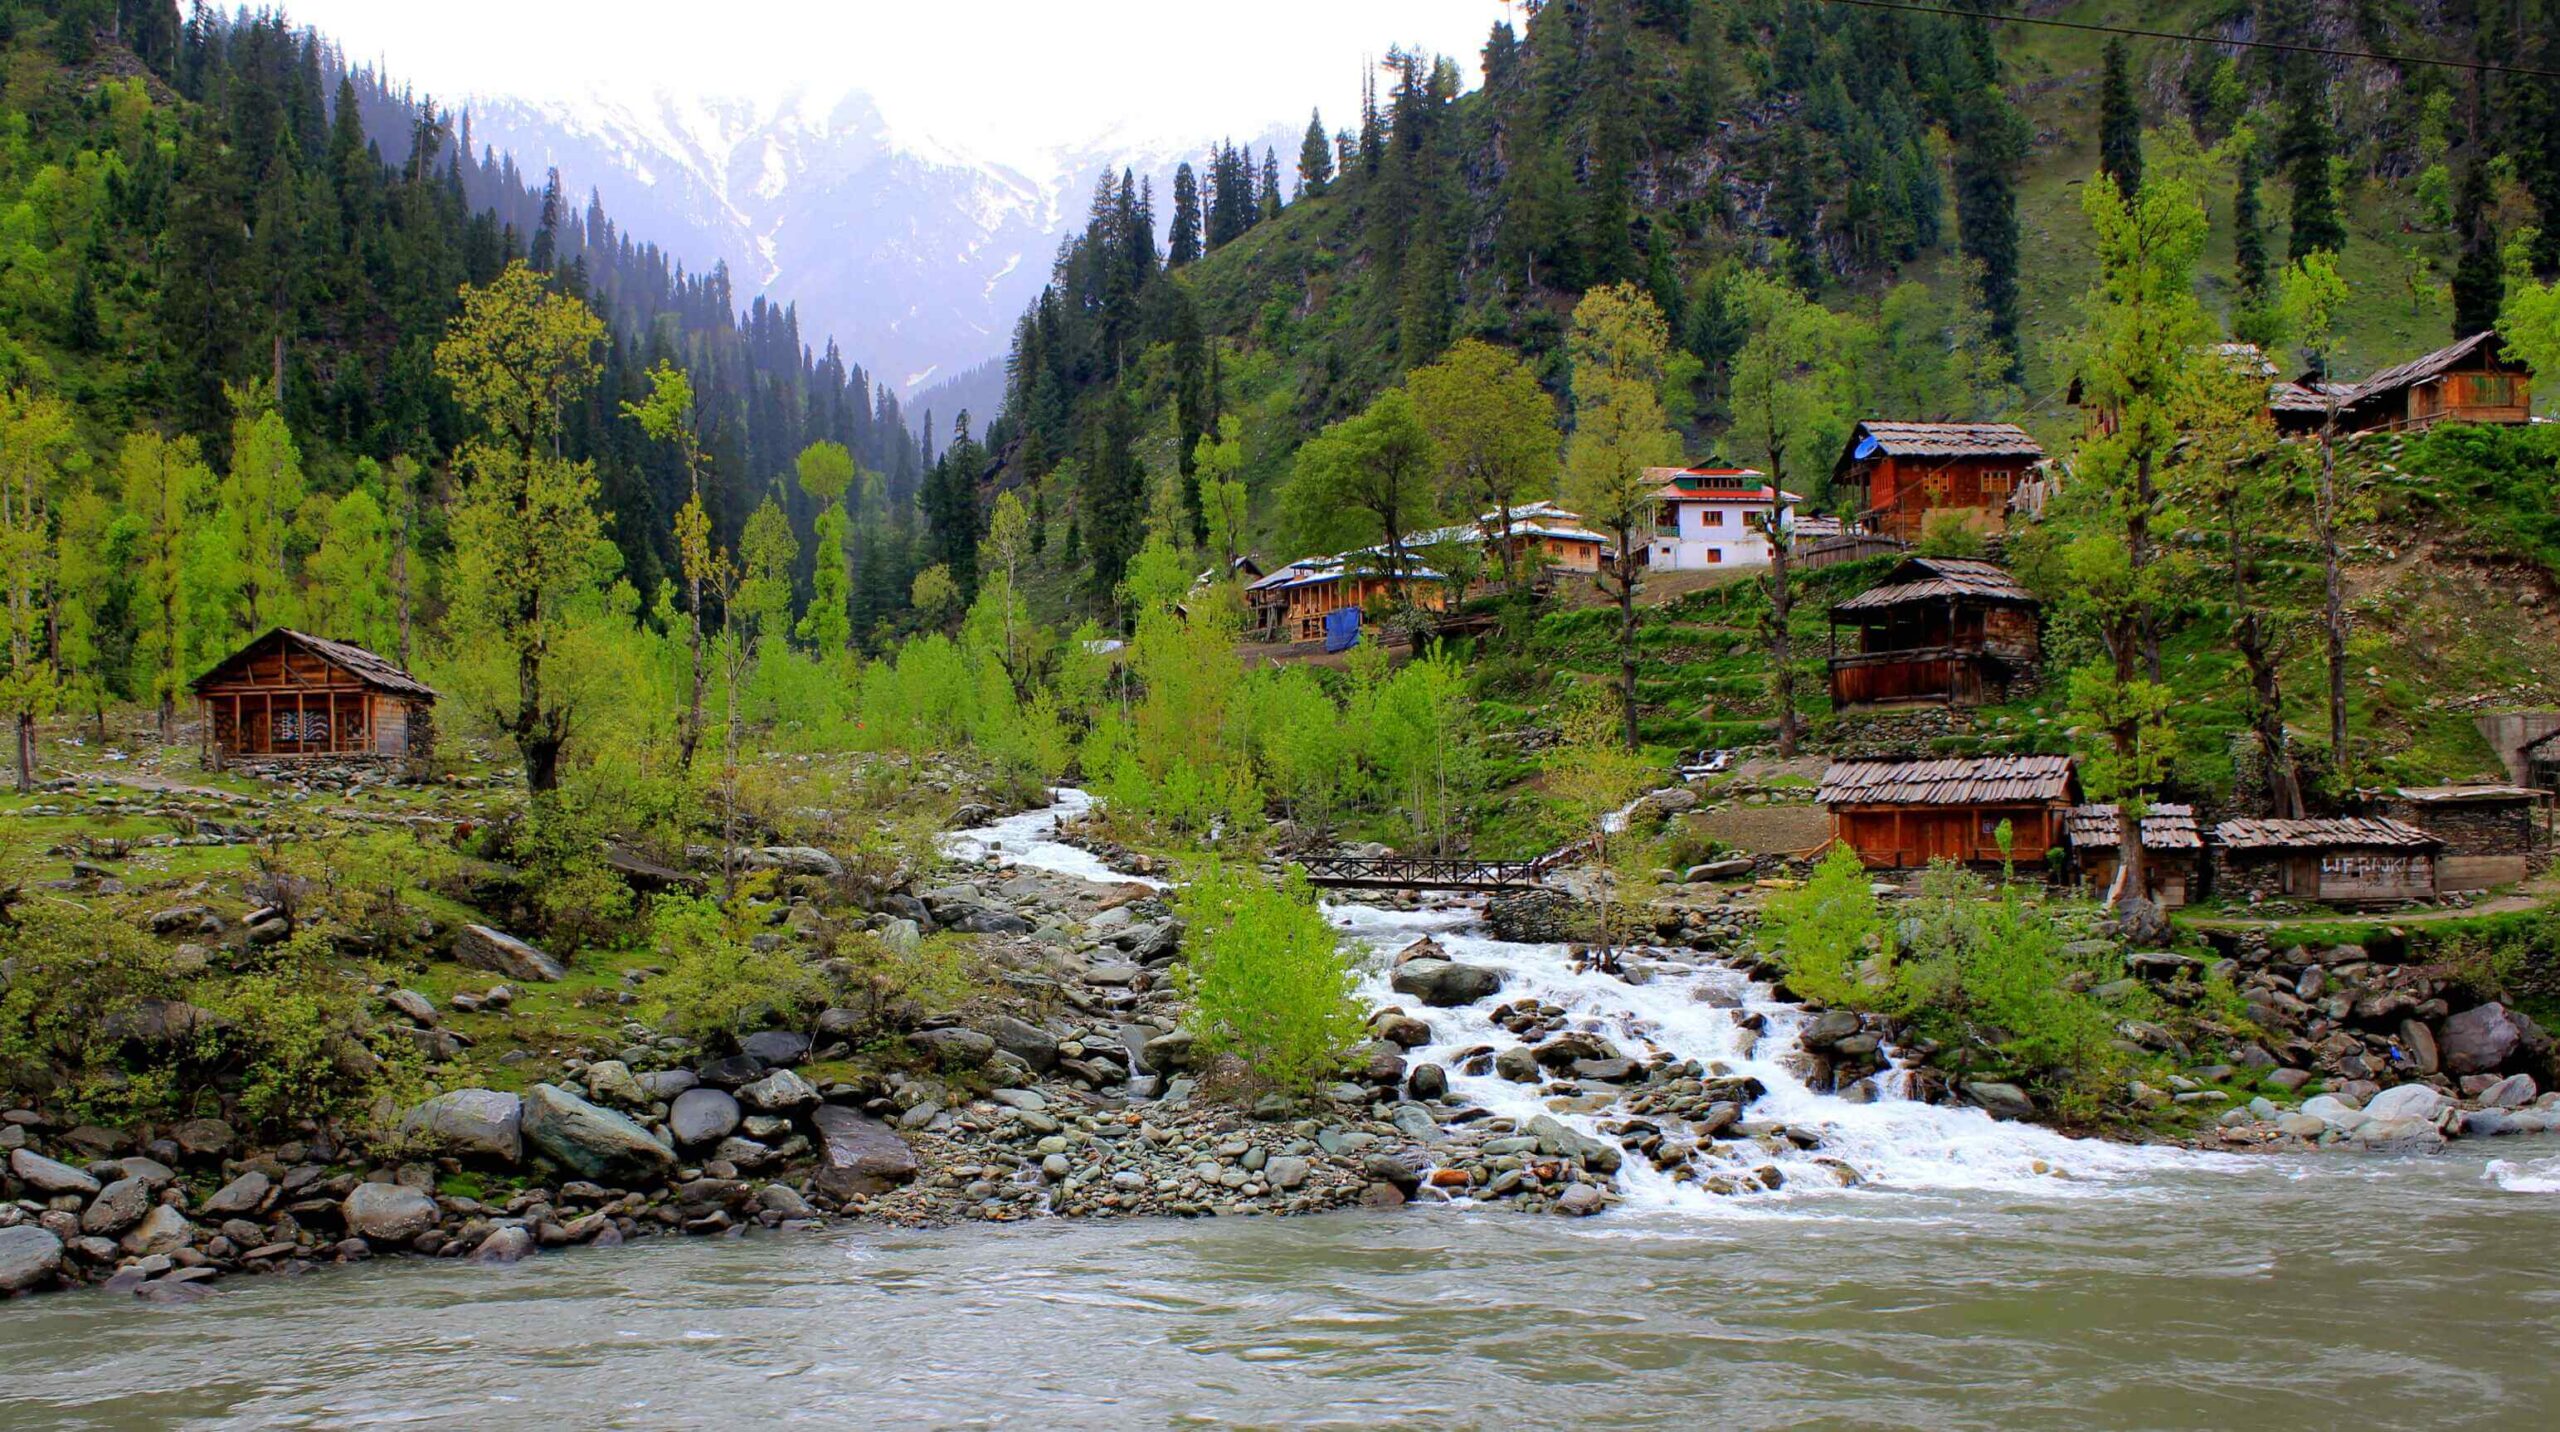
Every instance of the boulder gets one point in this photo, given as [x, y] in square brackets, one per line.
[863, 1156]
[610, 1081]
[1428, 1081]
[118, 1206]
[702, 1116]
[1168, 1051]
[779, 1092]
[503, 1246]
[388, 1213]
[735, 1072]
[1023, 1040]
[239, 1198]
[988, 920]
[48, 1177]
[482, 948]
[163, 1230]
[2407, 1101]
[793, 860]
[30, 1257]
[471, 1124]
[1400, 1029]
[1734, 868]
[412, 1006]
[1517, 1064]
[2000, 1101]
[2513, 1092]
[662, 1085]
[1580, 1201]
[2482, 1040]
[953, 1048]
[1572, 1047]
[776, 1048]
[1557, 1140]
[597, 1143]
[1445, 984]
[161, 1023]
[203, 1138]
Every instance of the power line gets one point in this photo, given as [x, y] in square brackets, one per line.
[2483, 66]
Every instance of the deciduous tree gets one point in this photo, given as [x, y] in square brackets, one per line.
[1618, 345]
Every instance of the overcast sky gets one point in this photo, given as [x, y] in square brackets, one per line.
[1003, 78]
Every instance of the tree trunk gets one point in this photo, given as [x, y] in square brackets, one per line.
[1627, 632]
[2127, 737]
[2334, 599]
[168, 717]
[26, 752]
[2138, 548]
[2266, 693]
[1781, 636]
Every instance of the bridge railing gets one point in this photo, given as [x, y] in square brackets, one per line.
[1427, 872]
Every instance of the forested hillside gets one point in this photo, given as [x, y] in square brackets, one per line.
[219, 235]
[1918, 173]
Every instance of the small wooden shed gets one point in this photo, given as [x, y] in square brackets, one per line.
[290, 693]
[2466, 382]
[2172, 849]
[1938, 631]
[1901, 815]
[2342, 860]
[2489, 832]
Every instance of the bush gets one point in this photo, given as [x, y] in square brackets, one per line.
[1990, 968]
[718, 985]
[295, 1035]
[1269, 981]
[66, 973]
[1832, 938]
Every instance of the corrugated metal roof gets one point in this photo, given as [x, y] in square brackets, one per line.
[2418, 370]
[2166, 826]
[2333, 833]
[373, 670]
[1977, 780]
[1936, 579]
[1949, 439]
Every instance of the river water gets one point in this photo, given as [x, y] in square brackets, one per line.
[1982, 1275]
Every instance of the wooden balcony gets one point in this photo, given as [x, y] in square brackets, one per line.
[1919, 676]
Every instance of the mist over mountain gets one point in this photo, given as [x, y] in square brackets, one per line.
[914, 253]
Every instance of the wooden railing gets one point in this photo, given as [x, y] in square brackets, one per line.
[1339, 871]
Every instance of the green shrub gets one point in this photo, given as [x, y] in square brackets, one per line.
[1269, 981]
[718, 985]
[66, 973]
[1832, 938]
[295, 1034]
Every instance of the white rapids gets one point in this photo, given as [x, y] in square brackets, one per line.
[1684, 1006]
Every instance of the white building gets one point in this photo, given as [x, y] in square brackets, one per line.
[1710, 517]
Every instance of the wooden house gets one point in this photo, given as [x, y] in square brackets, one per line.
[1897, 474]
[1938, 631]
[1544, 536]
[2172, 849]
[290, 693]
[1292, 603]
[2490, 833]
[2468, 382]
[2343, 860]
[1900, 815]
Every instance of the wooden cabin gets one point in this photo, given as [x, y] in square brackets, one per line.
[2344, 860]
[2172, 850]
[1938, 631]
[290, 693]
[1896, 474]
[2468, 382]
[2490, 833]
[1292, 603]
[1901, 815]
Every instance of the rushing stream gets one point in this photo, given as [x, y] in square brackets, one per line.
[1981, 1275]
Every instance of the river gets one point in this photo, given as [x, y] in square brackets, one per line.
[1983, 1275]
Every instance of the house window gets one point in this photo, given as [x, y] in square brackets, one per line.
[1715, 517]
[1997, 480]
[1714, 555]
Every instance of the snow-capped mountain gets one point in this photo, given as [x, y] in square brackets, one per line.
[915, 256]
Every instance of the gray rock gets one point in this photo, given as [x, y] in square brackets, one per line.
[2406, 1101]
[471, 1123]
[2301, 1126]
[1428, 1081]
[2480, 1041]
[1556, 1140]
[776, 1048]
[163, 1230]
[30, 1257]
[953, 1048]
[1288, 1171]
[48, 1177]
[863, 1156]
[1829, 1028]
[784, 1201]
[662, 1085]
[1167, 1052]
[482, 948]
[702, 1116]
[242, 1196]
[596, 1142]
[1580, 1201]
[388, 1213]
[1519, 1064]
[1024, 1041]
[510, 1243]
[988, 920]
[204, 1138]
[779, 1092]
[2000, 1101]
[412, 1006]
[118, 1206]
[1446, 984]
[735, 1072]
[610, 1081]
[2513, 1092]
[793, 860]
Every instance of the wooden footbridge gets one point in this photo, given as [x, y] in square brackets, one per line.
[1340, 871]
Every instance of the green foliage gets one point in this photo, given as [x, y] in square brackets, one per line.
[1832, 938]
[717, 984]
[295, 1034]
[1987, 965]
[1268, 979]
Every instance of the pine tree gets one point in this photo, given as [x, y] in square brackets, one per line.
[2249, 274]
[2479, 282]
[2316, 225]
[1315, 158]
[1798, 215]
[1268, 208]
[1991, 141]
[1184, 245]
[2119, 123]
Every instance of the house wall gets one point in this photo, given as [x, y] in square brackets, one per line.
[1909, 837]
[1902, 492]
[2503, 828]
[2354, 876]
[2170, 875]
[1711, 534]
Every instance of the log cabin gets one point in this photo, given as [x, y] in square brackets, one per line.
[2342, 860]
[1938, 631]
[1901, 815]
[290, 693]
[2172, 849]
[1894, 475]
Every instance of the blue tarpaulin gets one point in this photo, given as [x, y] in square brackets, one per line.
[1342, 629]
[1866, 449]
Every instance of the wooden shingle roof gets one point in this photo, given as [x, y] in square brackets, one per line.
[1977, 780]
[2164, 827]
[375, 671]
[2361, 832]
[2418, 370]
[1947, 440]
[1937, 579]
